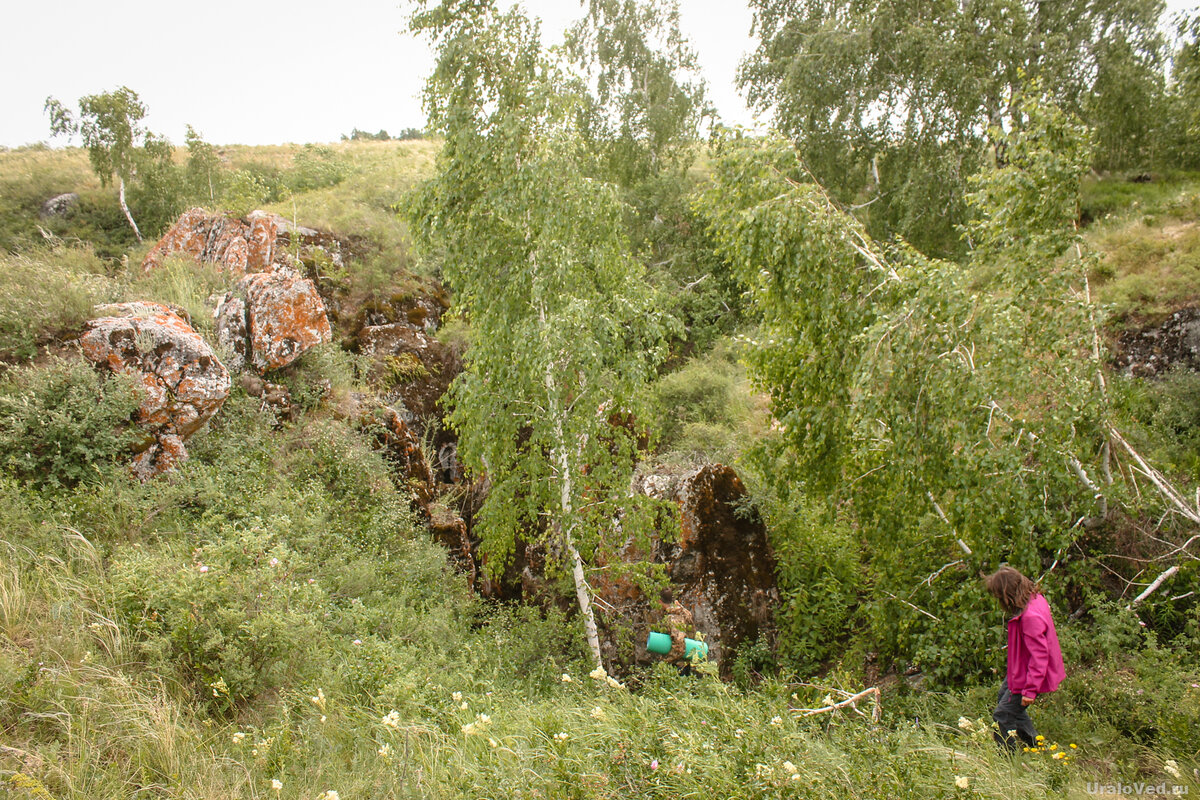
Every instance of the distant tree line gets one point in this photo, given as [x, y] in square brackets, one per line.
[408, 134]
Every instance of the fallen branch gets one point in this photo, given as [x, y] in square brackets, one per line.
[1153, 587]
[852, 700]
[1162, 484]
[914, 608]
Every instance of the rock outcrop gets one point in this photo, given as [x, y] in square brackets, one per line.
[59, 206]
[1155, 350]
[270, 320]
[183, 381]
[722, 569]
[259, 242]
[411, 367]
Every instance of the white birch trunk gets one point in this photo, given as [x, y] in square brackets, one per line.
[561, 456]
[125, 208]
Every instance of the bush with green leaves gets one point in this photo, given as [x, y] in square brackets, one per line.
[317, 167]
[703, 407]
[64, 423]
[232, 620]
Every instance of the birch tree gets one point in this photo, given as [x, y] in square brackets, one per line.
[110, 125]
[954, 415]
[565, 332]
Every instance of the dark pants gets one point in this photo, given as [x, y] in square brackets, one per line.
[1010, 715]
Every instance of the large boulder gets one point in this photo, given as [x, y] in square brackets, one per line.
[61, 205]
[211, 238]
[183, 381]
[258, 242]
[271, 319]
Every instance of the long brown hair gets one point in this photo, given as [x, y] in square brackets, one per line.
[1011, 588]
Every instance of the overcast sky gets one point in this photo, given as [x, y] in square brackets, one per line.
[248, 72]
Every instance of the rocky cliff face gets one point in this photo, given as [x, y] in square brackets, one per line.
[721, 568]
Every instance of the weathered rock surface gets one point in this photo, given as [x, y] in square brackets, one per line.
[1155, 350]
[410, 367]
[722, 568]
[260, 242]
[270, 320]
[59, 205]
[184, 383]
[212, 238]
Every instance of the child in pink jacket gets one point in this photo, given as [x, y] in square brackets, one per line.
[1035, 663]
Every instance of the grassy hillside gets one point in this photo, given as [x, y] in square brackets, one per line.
[271, 621]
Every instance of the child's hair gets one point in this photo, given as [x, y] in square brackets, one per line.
[1011, 588]
[666, 596]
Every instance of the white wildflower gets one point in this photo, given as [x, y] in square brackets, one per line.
[492, 742]
[962, 781]
[614, 683]
[790, 768]
[277, 784]
[597, 713]
[470, 729]
[598, 674]
[237, 737]
[274, 562]
[456, 697]
[966, 724]
[318, 699]
[203, 568]
[484, 719]
[386, 751]
[776, 721]
[463, 705]
[391, 719]
[562, 736]
[566, 678]
[330, 795]
[1172, 768]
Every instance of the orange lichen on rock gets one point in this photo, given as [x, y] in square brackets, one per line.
[183, 382]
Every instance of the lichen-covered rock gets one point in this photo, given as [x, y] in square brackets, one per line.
[410, 367]
[233, 331]
[183, 381]
[271, 319]
[260, 242]
[212, 238]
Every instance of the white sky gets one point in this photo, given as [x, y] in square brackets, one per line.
[249, 72]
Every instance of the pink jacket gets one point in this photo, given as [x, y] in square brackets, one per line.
[1035, 663]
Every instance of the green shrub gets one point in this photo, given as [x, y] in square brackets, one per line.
[703, 407]
[64, 423]
[245, 191]
[317, 167]
[233, 621]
